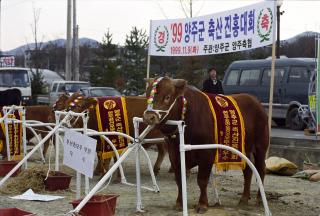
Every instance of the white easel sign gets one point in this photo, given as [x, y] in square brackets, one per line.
[79, 152]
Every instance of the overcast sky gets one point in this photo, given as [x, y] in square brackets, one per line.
[96, 16]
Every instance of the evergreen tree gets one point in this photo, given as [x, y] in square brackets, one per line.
[37, 84]
[105, 69]
[135, 65]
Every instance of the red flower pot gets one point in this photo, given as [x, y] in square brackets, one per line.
[57, 181]
[7, 166]
[14, 212]
[98, 205]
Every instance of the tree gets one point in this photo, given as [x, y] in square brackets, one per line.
[37, 84]
[105, 67]
[134, 66]
[303, 46]
[36, 56]
[57, 56]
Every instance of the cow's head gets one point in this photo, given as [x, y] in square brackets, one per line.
[61, 102]
[162, 94]
[82, 104]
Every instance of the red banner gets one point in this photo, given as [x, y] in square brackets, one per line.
[112, 116]
[229, 131]
[15, 136]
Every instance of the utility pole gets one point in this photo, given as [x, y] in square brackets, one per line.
[75, 58]
[76, 55]
[279, 13]
[68, 43]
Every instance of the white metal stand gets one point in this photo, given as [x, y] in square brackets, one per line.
[34, 149]
[133, 147]
[184, 147]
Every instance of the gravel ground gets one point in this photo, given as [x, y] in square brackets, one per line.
[286, 196]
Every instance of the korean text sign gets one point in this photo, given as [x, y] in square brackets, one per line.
[230, 31]
[7, 61]
[79, 152]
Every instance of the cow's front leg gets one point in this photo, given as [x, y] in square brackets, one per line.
[203, 179]
[177, 173]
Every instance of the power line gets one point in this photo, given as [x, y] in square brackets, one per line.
[183, 9]
[201, 7]
[161, 9]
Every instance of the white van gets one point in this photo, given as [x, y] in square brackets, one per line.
[14, 77]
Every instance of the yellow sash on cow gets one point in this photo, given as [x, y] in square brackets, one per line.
[112, 115]
[15, 136]
[228, 130]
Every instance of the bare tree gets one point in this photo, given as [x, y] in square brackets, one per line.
[37, 57]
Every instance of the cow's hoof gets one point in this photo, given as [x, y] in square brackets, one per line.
[217, 204]
[243, 202]
[156, 171]
[201, 209]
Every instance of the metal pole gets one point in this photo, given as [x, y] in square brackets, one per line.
[138, 171]
[75, 43]
[149, 57]
[76, 56]
[278, 32]
[183, 169]
[85, 130]
[68, 43]
[24, 138]
[104, 179]
[246, 159]
[272, 81]
[153, 177]
[78, 185]
[57, 143]
[7, 139]
[33, 150]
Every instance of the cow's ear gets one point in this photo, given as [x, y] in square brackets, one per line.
[90, 102]
[180, 85]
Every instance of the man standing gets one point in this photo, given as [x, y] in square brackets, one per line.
[212, 85]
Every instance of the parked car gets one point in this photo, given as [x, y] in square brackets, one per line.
[60, 87]
[292, 76]
[100, 91]
[17, 78]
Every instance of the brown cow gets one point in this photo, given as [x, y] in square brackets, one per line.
[135, 108]
[39, 113]
[199, 127]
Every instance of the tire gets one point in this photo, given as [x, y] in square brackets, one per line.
[294, 121]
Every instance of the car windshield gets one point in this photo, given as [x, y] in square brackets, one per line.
[74, 87]
[99, 92]
[17, 78]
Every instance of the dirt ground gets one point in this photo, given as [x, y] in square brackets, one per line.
[286, 196]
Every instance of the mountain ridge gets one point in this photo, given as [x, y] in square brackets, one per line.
[60, 42]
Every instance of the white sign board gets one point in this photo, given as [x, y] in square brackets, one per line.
[229, 31]
[79, 152]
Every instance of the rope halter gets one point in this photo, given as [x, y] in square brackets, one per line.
[151, 100]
